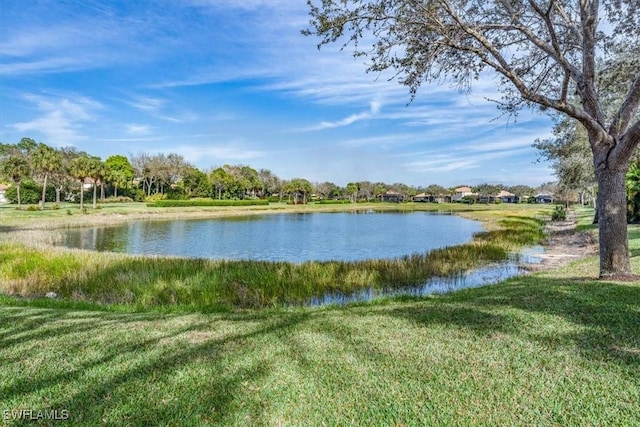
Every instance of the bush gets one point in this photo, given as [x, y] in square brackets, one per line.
[155, 197]
[470, 200]
[206, 202]
[135, 194]
[119, 199]
[333, 202]
[30, 193]
[559, 214]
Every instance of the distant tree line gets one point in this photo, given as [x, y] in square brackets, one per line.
[39, 173]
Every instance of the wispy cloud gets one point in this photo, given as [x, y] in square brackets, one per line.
[374, 108]
[216, 153]
[458, 161]
[62, 120]
[137, 129]
[157, 107]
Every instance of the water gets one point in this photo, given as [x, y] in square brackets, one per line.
[344, 236]
[487, 275]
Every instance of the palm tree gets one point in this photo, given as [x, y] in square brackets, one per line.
[297, 187]
[15, 167]
[80, 169]
[97, 172]
[46, 161]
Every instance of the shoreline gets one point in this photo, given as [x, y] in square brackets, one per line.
[564, 245]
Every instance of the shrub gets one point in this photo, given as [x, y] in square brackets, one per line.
[470, 200]
[30, 193]
[559, 214]
[155, 197]
[333, 202]
[119, 199]
[206, 202]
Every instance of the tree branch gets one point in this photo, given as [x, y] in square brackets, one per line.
[586, 85]
[627, 110]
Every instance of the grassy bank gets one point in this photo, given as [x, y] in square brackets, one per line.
[139, 283]
[553, 348]
[556, 348]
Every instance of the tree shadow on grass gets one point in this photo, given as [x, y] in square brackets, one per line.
[606, 315]
[103, 386]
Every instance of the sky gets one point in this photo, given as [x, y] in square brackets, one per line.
[235, 82]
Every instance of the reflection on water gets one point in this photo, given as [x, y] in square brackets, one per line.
[483, 276]
[345, 236]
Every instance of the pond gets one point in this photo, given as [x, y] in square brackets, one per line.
[483, 276]
[344, 236]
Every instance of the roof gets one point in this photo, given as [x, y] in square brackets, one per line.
[504, 193]
[463, 190]
[3, 186]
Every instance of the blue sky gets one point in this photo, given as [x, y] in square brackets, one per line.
[235, 82]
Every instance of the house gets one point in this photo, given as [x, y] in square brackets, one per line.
[3, 191]
[422, 197]
[431, 198]
[544, 198]
[460, 193]
[392, 196]
[507, 197]
[486, 198]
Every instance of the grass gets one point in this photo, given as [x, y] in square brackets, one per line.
[535, 350]
[141, 283]
[554, 348]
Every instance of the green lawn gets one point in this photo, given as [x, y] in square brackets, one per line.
[555, 348]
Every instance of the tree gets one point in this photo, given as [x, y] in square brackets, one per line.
[633, 192]
[80, 169]
[352, 189]
[46, 161]
[16, 168]
[271, 184]
[435, 190]
[326, 190]
[195, 183]
[119, 172]
[299, 187]
[487, 189]
[522, 191]
[15, 162]
[560, 55]
[220, 180]
[62, 178]
[97, 172]
[570, 157]
[148, 170]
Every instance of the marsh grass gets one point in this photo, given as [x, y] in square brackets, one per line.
[142, 283]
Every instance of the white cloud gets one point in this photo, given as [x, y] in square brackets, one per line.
[137, 129]
[62, 120]
[215, 153]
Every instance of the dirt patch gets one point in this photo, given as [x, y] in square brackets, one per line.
[564, 244]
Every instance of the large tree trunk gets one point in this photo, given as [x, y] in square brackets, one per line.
[44, 191]
[18, 194]
[612, 222]
[81, 194]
